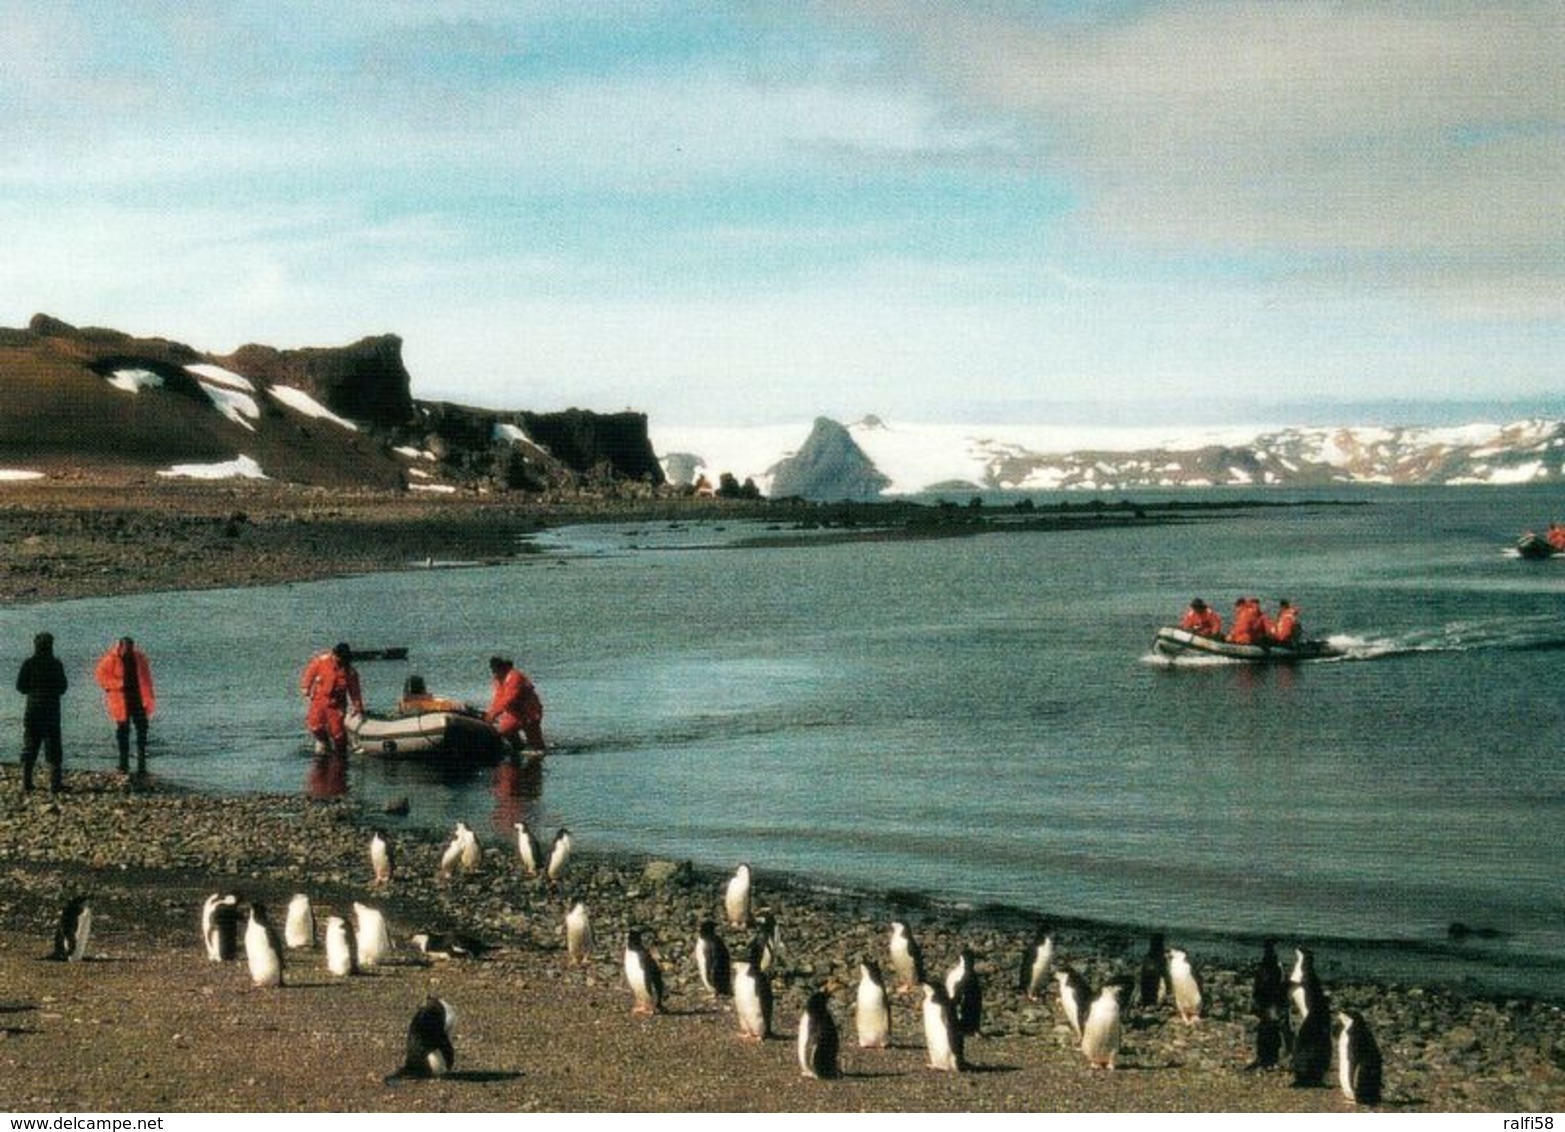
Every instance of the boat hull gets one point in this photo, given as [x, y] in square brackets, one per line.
[1535, 546]
[435, 736]
[1176, 643]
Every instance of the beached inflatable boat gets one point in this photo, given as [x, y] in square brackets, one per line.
[1176, 643]
[439, 736]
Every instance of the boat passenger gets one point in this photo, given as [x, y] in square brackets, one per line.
[515, 709]
[1287, 630]
[331, 683]
[1203, 619]
[1249, 627]
[416, 698]
[1556, 537]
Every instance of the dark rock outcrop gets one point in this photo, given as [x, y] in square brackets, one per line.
[830, 468]
[592, 441]
[364, 382]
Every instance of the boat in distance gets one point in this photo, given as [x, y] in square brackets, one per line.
[1174, 643]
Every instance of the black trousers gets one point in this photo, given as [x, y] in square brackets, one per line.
[44, 735]
[122, 737]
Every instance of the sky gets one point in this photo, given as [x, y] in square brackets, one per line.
[744, 214]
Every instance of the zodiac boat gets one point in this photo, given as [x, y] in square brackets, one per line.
[1176, 643]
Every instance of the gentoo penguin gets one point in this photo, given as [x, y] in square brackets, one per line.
[753, 997]
[429, 1049]
[1312, 1044]
[872, 1010]
[643, 975]
[818, 1042]
[299, 927]
[736, 898]
[463, 852]
[942, 1036]
[528, 850]
[559, 854]
[369, 929]
[907, 958]
[1186, 985]
[1074, 997]
[263, 950]
[578, 934]
[713, 962]
[1153, 982]
[1033, 978]
[73, 931]
[341, 949]
[966, 993]
[1102, 1030]
[220, 927]
[769, 937]
[1358, 1059]
[383, 859]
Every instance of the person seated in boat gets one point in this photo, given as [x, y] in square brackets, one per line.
[515, 710]
[1286, 630]
[1556, 537]
[416, 699]
[1202, 619]
[1249, 627]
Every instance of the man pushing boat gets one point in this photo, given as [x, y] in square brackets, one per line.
[515, 708]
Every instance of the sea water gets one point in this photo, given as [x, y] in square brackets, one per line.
[978, 720]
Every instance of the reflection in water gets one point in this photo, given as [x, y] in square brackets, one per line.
[518, 784]
[328, 777]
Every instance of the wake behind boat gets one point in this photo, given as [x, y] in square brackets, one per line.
[1175, 643]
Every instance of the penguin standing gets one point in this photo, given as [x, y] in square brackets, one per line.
[1074, 997]
[374, 938]
[736, 898]
[528, 849]
[1186, 986]
[769, 937]
[753, 997]
[1153, 981]
[559, 854]
[1269, 1001]
[73, 931]
[1033, 978]
[1301, 979]
[713, 962]
[643, 975]
[263, 950]
[299, 927]
[872, 1009]
[220, 927]
[818, 1041]
[942, 1036]
[578, 934]
[341, 949]
[463, 851]
[966, 993]
[1103, 1030]
[382, 857]
[907, 958]
[1358, 1060]
[1312, 1043]
[429, 1049]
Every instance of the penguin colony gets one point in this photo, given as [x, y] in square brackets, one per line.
[1295, 1029]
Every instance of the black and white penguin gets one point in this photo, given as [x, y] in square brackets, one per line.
[441, 946]
[463, 852]
[1074, 998]
[1103, 1029]
[73, 931]
[1186, 986]
[736, 898]
[299, 927]
[942, 1036]
[872, 1009]
[263, 950]
[713, 962]
[1312, 1043]
[907, 958]
[578, 934]
[374, 938]
[1301, 979]
[383, 859]
[643, 975]
[769, 936]
[753, 997]
[966, 993]
[818, 1042]
[559, 854]
[1153, 981]
[429, 1049]
[220, 927]
[1358, 1059]
[342, 957]
[528, 850]
[1037, 961]
[1269, 1002]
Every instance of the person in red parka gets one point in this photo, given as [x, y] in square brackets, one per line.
[515, 707]
[129, 697]
[1286, 630]
[1249, 627]
[1203, 619]
[331, 683]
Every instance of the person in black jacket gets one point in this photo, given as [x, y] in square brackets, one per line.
[42, 681]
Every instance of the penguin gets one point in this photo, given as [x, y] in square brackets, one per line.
[966, 993]
[1186, 985]
[299, 927]
[1312, 1044]
[528, 850]
[1033, 978]
[942, 1036]
[736, 898]
[753, 997]
[220, 927]
[1074, 997]
[769, 936]
[643, 975]
[429, 1049]
[341, 948]
[369, 929]
[713, 962]
[1103, 1030]
[73, 931]
[1358, 1059]
[1269, 1001]
[463, 851]
[1153, 982]
[383, 859]
[818, 1041]
[907, 958]
[559, 854]
[1300, 981]
[872, 1010]
[578, 934]
[435, 945]
[263, 950]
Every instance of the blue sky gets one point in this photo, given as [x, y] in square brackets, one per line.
[754, 213]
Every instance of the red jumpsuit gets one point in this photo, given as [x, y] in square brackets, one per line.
[330, 685]
[517, 708]
[1287, 627]
[1249, 624]
[1203, 621]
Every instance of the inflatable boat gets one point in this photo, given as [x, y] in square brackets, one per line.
[1176, 643]
[1534, 546]
[454, 735]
